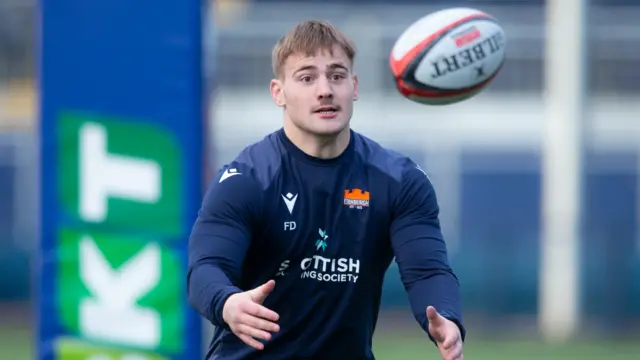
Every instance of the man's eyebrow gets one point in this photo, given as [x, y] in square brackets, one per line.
[336, 66]
[305, 68]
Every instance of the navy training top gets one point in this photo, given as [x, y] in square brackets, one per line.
[326, 231]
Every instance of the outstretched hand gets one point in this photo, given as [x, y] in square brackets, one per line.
[248, 319]
[446, 334]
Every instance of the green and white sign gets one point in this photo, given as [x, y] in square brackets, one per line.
[121, 289]
[120, 284]
[74, 350]
[122, 160]
[116, 173]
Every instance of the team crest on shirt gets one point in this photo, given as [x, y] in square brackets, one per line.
[356, 198]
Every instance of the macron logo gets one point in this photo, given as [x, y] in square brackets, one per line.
[290, 201]
[228, 173]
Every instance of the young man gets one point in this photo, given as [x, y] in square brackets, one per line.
[289, 251]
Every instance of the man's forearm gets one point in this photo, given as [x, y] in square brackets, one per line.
[440, 289]
[208, 288]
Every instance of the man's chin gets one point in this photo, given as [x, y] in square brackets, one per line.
[328, 131]
[329, 127]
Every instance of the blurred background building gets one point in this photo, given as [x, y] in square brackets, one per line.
[483, 155]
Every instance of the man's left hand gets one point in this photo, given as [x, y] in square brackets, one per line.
[446, 334]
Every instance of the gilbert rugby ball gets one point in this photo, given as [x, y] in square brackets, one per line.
[448, 56]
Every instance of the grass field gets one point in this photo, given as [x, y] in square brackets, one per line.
[413, 349]
[16, 344]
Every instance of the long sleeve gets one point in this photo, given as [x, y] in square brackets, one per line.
[219, 241]
[421, 252]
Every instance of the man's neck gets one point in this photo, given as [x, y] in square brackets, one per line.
[322, 147]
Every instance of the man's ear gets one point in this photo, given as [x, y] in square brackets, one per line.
[276, 92]
[355, 88]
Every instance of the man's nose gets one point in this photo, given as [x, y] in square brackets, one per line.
[325, 91]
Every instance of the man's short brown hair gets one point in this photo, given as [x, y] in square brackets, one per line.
[307, 38]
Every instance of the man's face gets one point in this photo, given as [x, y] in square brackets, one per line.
[317, 92]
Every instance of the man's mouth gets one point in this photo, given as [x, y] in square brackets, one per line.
[326, 110]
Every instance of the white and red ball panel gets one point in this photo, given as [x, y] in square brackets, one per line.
[448, 56]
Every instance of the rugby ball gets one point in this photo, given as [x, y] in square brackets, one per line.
[448, 56]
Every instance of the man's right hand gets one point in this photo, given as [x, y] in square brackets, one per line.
[248, 319]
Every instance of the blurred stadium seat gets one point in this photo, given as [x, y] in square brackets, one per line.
[18, 105]
[228, 11]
